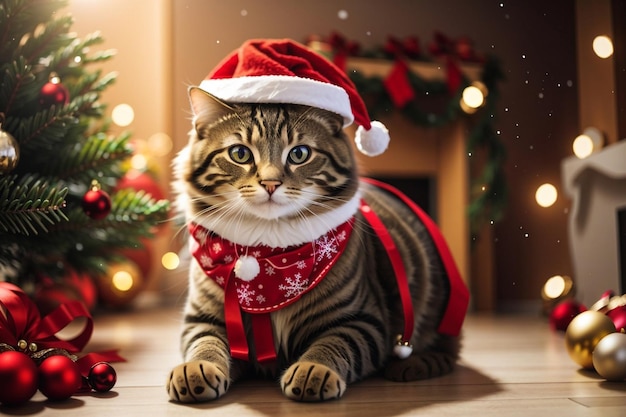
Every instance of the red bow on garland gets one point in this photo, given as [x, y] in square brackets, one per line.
[22, 325]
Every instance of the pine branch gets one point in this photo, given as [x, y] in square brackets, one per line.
[19, 17]
[98, 156]
[53, 36]
[30, 207]
[16, 91]
[43, 131]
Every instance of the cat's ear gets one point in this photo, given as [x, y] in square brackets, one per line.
[206, 107]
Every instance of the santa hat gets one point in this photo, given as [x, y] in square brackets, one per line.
[283, 71]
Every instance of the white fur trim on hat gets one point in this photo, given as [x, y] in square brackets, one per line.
[372, 142]
[282, 89]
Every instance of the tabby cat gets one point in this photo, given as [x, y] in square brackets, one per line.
[256, 178]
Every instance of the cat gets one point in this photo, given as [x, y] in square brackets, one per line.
[258, 178]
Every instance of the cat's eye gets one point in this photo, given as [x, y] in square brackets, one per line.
[240, 154]
[299, 154]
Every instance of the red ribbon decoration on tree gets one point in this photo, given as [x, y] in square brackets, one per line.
[20, 320]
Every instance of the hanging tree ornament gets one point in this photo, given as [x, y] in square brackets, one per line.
[53, 93]
[9, 150]
[96, 202]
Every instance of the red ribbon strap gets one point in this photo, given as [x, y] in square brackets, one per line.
[398, 268]
[458, 300]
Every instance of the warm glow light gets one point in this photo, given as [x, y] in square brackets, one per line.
[170, 261]
[603, 46]
[160, 144]
[554, 287]
[546, 195]
[473, 97]
[583, 146]
[123, 115]
[139, 162]
[122, 281]
[588, 142]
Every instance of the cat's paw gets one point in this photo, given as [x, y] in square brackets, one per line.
[196, 381]
[308, 381]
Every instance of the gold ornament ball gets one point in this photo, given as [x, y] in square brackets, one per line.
[583, 334]
[609, 357]
[9, 152]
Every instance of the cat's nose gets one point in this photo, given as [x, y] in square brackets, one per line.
[270, 185]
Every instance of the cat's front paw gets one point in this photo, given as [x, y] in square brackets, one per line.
[308, 381]
[196, 381]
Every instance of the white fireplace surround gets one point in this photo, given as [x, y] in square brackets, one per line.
[597, 187]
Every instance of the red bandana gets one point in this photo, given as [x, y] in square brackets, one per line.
[261, 279]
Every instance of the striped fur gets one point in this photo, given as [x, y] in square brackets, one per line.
[344, 329]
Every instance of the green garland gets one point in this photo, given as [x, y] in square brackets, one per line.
[488, 192]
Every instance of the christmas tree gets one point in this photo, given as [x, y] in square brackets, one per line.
[61, 208]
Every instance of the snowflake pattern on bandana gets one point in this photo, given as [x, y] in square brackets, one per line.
[285, 273]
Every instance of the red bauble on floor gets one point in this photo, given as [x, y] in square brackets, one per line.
[102, 377]
[59, 377]
[18, 378]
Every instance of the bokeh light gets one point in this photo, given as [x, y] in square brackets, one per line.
[473, 97]
[603, 46]
[122, 280]
[582, 146]
[123, 115]
[588, 142]
[170, 261]
[554, 286]
[546, 195]
[160, 144]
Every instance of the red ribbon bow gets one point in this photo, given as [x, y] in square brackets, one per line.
[20, 320]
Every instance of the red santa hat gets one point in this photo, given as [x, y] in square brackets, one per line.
[283, 71]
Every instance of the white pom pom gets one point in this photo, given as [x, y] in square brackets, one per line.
[247, 268]
[402, 351]
[372, 142]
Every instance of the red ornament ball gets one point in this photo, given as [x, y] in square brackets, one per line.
[96, 204]
[18, 378]
[52, 94]
[102, 377]
[563, 313]
[618, 315]
[59, 377]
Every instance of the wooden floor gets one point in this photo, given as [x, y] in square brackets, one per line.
[511, 366]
